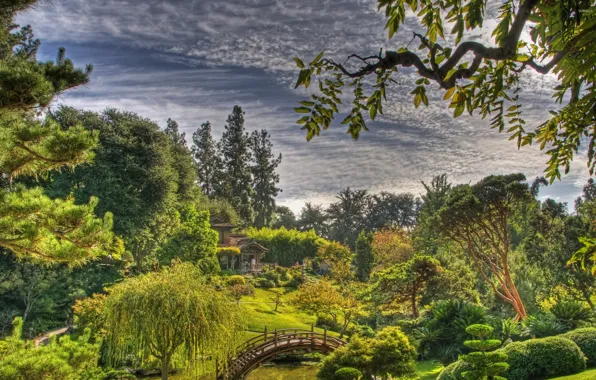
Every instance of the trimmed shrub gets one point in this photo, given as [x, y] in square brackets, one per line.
[235, 280]
[553, 356]
[348, 373]
[586, 340]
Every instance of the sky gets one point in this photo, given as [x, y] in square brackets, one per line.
[193, 60]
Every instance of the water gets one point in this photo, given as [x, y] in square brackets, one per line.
[284, 372]
[270, 372]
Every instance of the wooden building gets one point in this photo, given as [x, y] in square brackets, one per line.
[237, 251]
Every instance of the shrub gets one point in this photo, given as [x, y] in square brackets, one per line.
[553, 356]
[484, 363]
[586, 340]
[88, 313]
[388, 353]
[264, 283]
[235, 280]
[347, 373]
[571, 314]
[542, 326]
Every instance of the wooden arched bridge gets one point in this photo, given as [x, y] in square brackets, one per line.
[267, 345]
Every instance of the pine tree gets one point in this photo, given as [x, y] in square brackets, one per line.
[206, 155]
[183, 163]
[31, 224]
[264, 178]
[235, 151]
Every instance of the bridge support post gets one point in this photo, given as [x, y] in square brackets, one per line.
[325, 337]
[275, 338]
[265, 332]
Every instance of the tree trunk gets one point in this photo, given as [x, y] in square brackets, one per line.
[413, 300]
[165, 367]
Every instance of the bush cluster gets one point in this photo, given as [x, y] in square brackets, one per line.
[536, 358]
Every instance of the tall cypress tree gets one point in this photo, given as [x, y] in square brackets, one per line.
[236, 156]
[31, 224]
[207, 160]
[264, 178]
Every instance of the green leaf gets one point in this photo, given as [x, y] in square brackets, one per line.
[299, 62]
[307, 103]
[302, 110]
[317, 58]
[459, 109]
[373, 111]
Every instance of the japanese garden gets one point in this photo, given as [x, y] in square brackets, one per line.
[136, 246]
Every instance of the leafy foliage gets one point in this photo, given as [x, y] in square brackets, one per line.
[264, 177]
[364, 259]
[586, 340]
[488, 84]
[62, 359]
[553, 356]
[388, 353]
[403, 283]
[286, 247]
[483, 364]
[478, 218]
[193, 241]
[143, 314]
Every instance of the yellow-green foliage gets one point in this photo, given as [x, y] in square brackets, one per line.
[171, 315]
[61, 359]
[228, 251]
[235, 280]
[286, 246]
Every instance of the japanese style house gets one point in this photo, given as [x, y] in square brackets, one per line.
[244, 254]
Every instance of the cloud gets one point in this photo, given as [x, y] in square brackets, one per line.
[193, 60]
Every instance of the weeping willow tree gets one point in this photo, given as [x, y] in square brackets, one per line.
[173, 316]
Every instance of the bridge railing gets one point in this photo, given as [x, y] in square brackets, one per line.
[270, 341]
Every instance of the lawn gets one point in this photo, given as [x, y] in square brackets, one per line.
[428, 369]
[589, 374]
[259, 311]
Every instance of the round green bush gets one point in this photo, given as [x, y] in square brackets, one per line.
[586, 340]
[235, 280]
[552, 356]
[347, 373]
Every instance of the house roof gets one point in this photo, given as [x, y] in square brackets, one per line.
[243, 242]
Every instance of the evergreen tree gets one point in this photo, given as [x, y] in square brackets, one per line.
[207, 159]
[31, 224]
[182, 163]
[313, 217]
[364, 258]
[264, 178]
[236, 156]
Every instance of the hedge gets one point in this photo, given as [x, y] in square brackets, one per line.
[585, 338]
[286, 247]
[553, 356]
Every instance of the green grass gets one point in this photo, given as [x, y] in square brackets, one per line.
[428, 369]
[259, 312]
[589, 374]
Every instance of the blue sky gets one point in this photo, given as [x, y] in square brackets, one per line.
[192, 61]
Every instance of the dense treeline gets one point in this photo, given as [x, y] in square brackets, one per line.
[352, 212]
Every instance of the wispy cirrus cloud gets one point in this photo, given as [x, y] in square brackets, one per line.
[193, 60]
